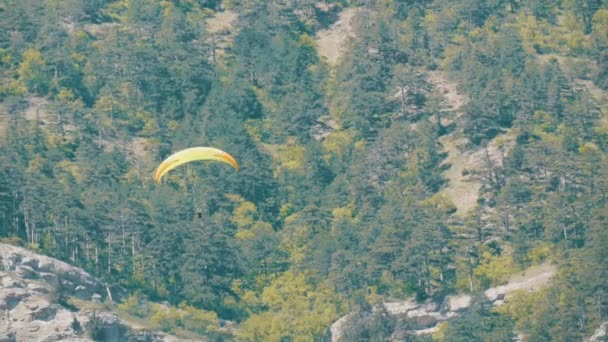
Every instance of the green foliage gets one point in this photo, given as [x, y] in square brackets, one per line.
[297, 309]
[365, 326]
[32, 72]
[187, 317]
[479, 324]
[340, 200]
[521, 307]
[494, 269]
[13, 240]
[135, 305]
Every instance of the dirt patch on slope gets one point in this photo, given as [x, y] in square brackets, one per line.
[99, 30]
[38, 110]
[332, 42]
[462, 189]
[4, 121]
[531, 279]
[221, 22]
[454, 101]
[221, 29]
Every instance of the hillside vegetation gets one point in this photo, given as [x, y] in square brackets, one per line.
[389, 150]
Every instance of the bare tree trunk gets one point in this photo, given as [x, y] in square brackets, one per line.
[470, 262]
[427, 289]
[154, 284]
[419, 274]
[403, 100]
[133, 252]
[109, 293]
[26, 222]
[109, 252]
[213, 48]
[441, 265]
[506, 220]
[123, 247]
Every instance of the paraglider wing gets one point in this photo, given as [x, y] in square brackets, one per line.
[192, 154]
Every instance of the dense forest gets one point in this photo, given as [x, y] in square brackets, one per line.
[342, 201]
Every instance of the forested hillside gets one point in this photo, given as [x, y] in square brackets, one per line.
[439, 148]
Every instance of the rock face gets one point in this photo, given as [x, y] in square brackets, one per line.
[601, 334]
[427, 315]
[39, 269]
[32, 288]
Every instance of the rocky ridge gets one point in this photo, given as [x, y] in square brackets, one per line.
[427, 315]
[33, 306]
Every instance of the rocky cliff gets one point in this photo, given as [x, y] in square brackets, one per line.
[426, 316]
[33, 307]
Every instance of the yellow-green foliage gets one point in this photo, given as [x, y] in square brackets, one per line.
[71, 168]
[129, 303]
[187, 317]
[439, 334]
[48, 243]
[149, 125]
[534, 33]
[588, 149]
[289, 156]
[521, 306]
[36, 164]
[602, 131]
[544, 121]
[31, 71]
[462, 277]
[441, 202]
[199, 321]
[167, 318]
[135, 306]
[540, 253]
[244, 215]
[296, 237]
[494, 270]
[343, 218]
[573, 33]
[436, 24]
[338, 142]
[286, 210]
[297, 310]
[307, 41]
[292, 156]
[599, 35]
[268, 103]
[256, 230]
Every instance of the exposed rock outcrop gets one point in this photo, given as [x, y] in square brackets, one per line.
[33, 289]
[600, 335]
[426, 316]
[18, 264]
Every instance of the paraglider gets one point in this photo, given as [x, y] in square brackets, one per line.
[192, 154]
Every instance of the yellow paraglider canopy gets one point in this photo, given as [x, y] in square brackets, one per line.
[192, 154]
